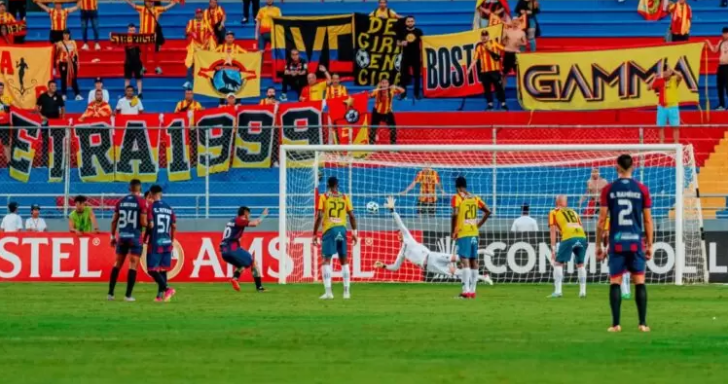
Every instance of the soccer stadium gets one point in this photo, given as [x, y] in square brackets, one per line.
[305, 191]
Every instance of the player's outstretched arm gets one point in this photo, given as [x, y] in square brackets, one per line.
[259, 220]
[397, 263]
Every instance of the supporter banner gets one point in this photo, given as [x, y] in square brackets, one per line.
[326, 40]
[527, 256]
[609, 79]
[65, 257]
[377, 54]
[129, 38]
[25, 73]
[94, 139]
[254, 145]
[176, 138]
[213, 142]
[26, 141]
[136, 148]
[218, 74]
[652, 9]
[346, 112]
[446, 59]
[17, 28]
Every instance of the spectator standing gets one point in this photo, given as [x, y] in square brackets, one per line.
[514, 40]
[528, 9]
[384, 12]
[35, 223]
[12, 221]
[50, 104]
[264, 23]
[668, 108]
[215, 17]
[97, 108]
[201, 37]
[270, 97]
[90, 15]
[6, 102]
[488, 60]
[383, 96]
[67, 60]
[129, 104]
[59, 19]
[429, 180]
[6, 17]
[681, 16]
[525, 223]
[82, 220]
[98, 86]
[722, 72]
[294, 75]
[229, 46]
[410, 40]
[334, 88]
[133, 65]
[149, 25]
[17, 8]
[246, 9]
[315, 89]
[487, 10]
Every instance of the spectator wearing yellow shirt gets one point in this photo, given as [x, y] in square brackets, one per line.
[270, 97]
[97, 108]
[230, 46]
[316, 89]
[215, 16]
[5, 103]
[264, 23]
[335, 89]
[188, 103]
[384, 12]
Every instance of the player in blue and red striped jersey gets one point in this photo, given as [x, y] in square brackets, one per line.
[130, 219]
[162, 226]
[628, 204]
[236, 255]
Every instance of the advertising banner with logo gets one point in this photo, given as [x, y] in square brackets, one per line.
[25, 73]
[218, 74]
[608, 79]
[65, 257]
[446, 59]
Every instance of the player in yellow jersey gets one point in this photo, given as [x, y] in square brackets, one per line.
[332, 210]
[573, 241]
[465, 228]
[626, 293]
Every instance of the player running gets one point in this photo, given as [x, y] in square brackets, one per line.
[236, 255]
[162, 227]
[628, 204]
[130, 218]
[332, 210]
[566, 221]
[626, 295]
[420, 255]
[465, 228]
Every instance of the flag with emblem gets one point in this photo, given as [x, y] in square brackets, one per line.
[25, 73]
[218, 74]
[652, 9]
[348, 116]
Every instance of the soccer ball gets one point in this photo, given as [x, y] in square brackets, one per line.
[372, 207]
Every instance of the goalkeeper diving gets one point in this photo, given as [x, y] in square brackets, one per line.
[420, 255]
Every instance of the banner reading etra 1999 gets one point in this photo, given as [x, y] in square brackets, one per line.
[608, 79]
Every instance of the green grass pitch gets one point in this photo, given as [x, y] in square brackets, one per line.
[64, 333]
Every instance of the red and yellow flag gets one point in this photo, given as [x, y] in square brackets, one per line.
[652, 9]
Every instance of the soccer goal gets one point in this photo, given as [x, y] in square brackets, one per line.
[507, 178]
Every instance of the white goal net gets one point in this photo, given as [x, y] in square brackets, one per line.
[507, 178]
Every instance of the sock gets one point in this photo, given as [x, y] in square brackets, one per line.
[640, 291]
[130, 281]
[158, 279]
[237, 272]
[582, 279]
[164, 279]
[112, 280]
[558, 278]
[326, 272]
[615, 301]
[256, 278]
[466, 280]
[346, 277]
[473, 279]
[625, 284]
[532, 42]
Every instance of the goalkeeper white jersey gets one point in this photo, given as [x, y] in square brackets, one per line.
[411, 250]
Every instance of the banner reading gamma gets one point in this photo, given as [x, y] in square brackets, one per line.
[609, 79]
[377, 54]
[22, 70]
[446, 59]
[218, 74]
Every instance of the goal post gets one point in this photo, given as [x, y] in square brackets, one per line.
[525, 180]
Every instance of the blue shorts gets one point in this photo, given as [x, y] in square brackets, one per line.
[668, 116]
[468, 247]
[575, 246]
[238, 257]
[159, 261]
[633, 262]
[129, 247]
[334, 242]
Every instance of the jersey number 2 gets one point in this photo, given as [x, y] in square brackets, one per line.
[625, 210]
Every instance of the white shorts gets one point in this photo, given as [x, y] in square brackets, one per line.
[440, 264]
